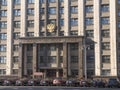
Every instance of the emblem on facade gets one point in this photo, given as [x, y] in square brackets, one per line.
[51, 27]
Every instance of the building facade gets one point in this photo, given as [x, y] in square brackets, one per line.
[48, 36]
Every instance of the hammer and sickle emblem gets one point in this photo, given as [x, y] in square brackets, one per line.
[50, 27]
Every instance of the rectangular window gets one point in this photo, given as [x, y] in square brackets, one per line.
[3, 36]
[74, 59]
[16, 35]
[105, 20]
[29, 47]
[106, 59]
[61, 22]
[30, 34]
[16, 12]
[105, 33]
[118, 1]
[106, 72]
[15, 59]
[30, 11]
[73, 33]
[52, 10]
[29, 59]
[15, 71]
[2, 71]
[17, 24]
[3, 24]
[15, 47]
[73, 21]
[106, 45]
[42, 10]
[3, 13]
[16, 1]
[89, 33]
[30, 23]
[89, 9]
[61, 10]
[74, 9]
[105, 8]
[2, 48]
[4, 2]
[2, 59]
[73, 47]
[90, 59]
[52, 59]
[51, 1]
[31, 1]
[89, 21]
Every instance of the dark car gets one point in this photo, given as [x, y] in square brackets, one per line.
[83, 83]
[31, 82]
[71, 82]
[44, 83]
[18, 83]
[113, 82]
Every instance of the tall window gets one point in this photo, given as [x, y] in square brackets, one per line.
[61, 22]
[74, 59]
[61, 10]
[16, 35]
[105, 20]
[2, 71]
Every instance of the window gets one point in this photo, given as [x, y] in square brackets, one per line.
[31, 23]
[74, 9]
[52, 47]
[118, 1]
[29, 59]
[29, 47]
[42, 1]
[16, 1]
[16, 12]
[3, 36]
[51, 59]
[42, 23]
[4, 2]
[105, 33]
[51, 1]
[106, 45]
[15, 59]
[73, 32]
[61, 22]
[16, 35]
[3, 25]
[3, 13]
[52, 21]
[105, 8]
[30, 34]
[15, 47]
[106, 59]
[89, 21]
[89, 9]
[52, 10]
[30, 1]
[74, 21]
[90, 59]
[74, 59]
[61, 0]
[118, 24]
[119, 13]
[2, 59]
[30, 11]
[73, 46]
[106, 72]
[105, 20]
[2, 48]
[89, 33]
[15, 71]
[2, 71]
[74, 72]
[61, 10]
[17, 24]
[41, 10]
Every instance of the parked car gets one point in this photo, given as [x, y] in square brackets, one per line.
[31, 82]
[58, 82]
[113, 82]
[44, 83]
[83, 83]
[6, 83]
[70, 82]
[18, 83]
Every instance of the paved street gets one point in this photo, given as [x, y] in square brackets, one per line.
[52, 88]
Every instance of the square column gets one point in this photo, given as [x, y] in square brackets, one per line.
[65, 61]
[34, 58]
[80, 60]
[20, 73]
